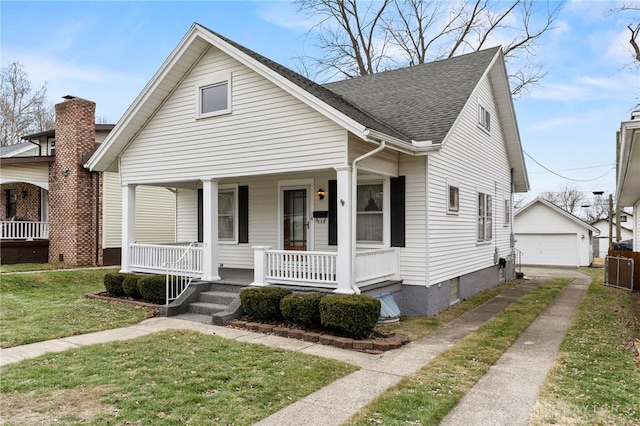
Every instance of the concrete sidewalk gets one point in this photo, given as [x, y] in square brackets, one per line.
[523, 371]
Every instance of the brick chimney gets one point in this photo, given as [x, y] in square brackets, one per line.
[73, 202]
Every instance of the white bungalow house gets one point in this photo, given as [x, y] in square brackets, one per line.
[622, 226]
[400, 181]
[549, 235]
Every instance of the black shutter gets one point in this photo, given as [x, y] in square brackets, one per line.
[200, 216]
[397, 212]
[243, 214]
[333, 212]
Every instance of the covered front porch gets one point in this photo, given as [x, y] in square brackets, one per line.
[321, 229]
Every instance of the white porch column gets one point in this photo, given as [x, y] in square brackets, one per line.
[210, 229]
[345, 273]
[260, 265]
[128, 225]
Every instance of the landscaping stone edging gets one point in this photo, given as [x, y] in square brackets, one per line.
[101, 295]
[372, 346]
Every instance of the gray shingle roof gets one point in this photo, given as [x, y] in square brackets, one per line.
[421, 101]
[416, 103]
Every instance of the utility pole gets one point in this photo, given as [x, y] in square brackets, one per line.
[610, 221]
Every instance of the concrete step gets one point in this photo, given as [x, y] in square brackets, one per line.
[218, 297]
[205, 308]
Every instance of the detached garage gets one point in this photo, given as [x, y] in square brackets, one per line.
[549, 235]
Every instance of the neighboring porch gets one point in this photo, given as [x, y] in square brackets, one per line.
[23, 230]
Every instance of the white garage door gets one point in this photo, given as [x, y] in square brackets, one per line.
[548, 249]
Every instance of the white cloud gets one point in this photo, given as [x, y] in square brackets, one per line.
[284, 14]
[556, 123]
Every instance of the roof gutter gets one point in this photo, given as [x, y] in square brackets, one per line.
[415, 148]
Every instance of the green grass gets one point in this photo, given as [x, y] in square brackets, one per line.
[48, 305]
[417, 327]
[426, 397]
[594, 380]
[167, 378]
[27, 267]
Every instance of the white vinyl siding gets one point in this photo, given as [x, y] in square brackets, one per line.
[269, 131]
[33, 173]
[636, 226]
[155, 213]
[413, 256]
[477, 160]
[384, 163]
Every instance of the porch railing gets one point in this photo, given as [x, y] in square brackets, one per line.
[310, 268]
[376, 265]
[179, 274]
[153, 258]
[24, 230]
[318, 269]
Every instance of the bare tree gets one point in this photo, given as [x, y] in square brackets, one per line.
[351, 39]
[22, 110]
[398, 33]
[632, 10]
[568, 198]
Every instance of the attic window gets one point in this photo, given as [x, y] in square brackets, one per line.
[214, 96]
[484, 118]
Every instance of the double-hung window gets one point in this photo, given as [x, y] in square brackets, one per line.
[227, 217]
[214, 96]
[453, 196]
[370, 213]
[484, 118]
[485, 220]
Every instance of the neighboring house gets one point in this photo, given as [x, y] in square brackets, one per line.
[400, 181]
[628, 166]
[52, 209]
[549, 235]
[601, 241]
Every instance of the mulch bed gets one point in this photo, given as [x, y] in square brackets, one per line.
[377, 344]
[102, 295]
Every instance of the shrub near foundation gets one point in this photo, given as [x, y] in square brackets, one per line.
[302, 309]
[353, 314]
[130, 286]
[263, 303]
[153, 289]
[113, 284]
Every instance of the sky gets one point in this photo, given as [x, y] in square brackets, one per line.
[108, 51]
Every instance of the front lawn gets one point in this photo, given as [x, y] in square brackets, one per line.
[169, 378]
[49, 305]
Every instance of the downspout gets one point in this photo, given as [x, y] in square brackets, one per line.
[354, 206]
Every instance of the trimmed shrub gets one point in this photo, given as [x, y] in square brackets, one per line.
[130, 285]
[263, 303]
[153, 289]
[302, 308]
[113, 284]
[353, 314]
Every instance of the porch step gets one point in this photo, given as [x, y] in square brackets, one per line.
[216, 303]
[205, 308]
[217, 297]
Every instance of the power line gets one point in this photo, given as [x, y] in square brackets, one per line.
[564, 177]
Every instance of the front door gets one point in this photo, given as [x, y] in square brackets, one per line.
[295, 224]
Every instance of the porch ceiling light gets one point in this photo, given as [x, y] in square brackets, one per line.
[321, 194]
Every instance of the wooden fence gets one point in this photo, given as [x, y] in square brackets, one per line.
[636, 264]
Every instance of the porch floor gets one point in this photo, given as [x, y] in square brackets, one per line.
[235, 276]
